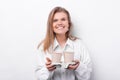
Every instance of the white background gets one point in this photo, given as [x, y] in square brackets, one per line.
[23, 25]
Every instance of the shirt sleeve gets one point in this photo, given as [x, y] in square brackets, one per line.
[83, 72]
[41, 71]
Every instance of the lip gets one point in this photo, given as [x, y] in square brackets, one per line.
[60, 27]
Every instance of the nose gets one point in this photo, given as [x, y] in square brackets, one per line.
[59, 22]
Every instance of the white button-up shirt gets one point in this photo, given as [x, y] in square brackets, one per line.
[82, 72]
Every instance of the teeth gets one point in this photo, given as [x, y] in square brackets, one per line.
[60, 28]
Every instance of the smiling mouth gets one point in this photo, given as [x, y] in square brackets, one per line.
[60, 27]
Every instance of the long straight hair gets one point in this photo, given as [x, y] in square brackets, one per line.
[50, 35]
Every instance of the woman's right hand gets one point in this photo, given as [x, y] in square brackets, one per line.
[49, 66]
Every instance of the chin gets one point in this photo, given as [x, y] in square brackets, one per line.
[60, 33]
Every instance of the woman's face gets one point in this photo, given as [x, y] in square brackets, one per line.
[60, 23]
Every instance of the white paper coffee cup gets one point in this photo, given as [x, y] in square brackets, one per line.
[56, 57]
[68, 57]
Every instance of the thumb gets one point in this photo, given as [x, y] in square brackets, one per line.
[48, 59]
[77, 61]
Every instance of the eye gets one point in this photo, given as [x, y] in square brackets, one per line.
[55, 20]
[63, 19]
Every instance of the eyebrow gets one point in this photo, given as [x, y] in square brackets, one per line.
[61, 18]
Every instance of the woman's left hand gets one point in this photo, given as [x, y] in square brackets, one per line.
[74, 66]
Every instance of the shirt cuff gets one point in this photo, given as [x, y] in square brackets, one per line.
[83, 72]
[81, 66]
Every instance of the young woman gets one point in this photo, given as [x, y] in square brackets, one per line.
[59, 38]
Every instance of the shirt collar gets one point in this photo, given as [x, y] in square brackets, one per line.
[68, 43]
[55, 43]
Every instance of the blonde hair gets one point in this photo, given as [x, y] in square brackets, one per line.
[50, 35]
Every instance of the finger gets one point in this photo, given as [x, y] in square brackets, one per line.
[48, 63]
[49, 66]
[76, 61]
[73, 67]
[48, 59]
[52, 68]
